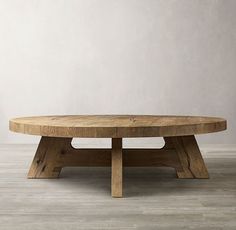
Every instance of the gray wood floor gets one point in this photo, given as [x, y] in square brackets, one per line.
[80, 199]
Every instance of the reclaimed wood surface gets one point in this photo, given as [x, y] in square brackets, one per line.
[116, 126]
[117, 168]
[180, 152]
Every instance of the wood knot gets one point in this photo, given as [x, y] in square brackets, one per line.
[63, 152]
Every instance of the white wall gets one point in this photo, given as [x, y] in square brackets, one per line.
[118, 56]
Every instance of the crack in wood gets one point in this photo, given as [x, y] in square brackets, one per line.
[188, 158]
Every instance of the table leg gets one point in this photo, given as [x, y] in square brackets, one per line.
[181, 153]
[191, 163]
[47, 160]
[117, 167]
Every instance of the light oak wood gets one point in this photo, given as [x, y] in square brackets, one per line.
[47, 161]
[117, 167]
[116, 126]
[65, 155]
[191, 164]
[180, 152]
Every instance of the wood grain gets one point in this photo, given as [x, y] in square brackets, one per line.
[47, 161]
[116, 126]
[71, 157]
[180, 153]
[116, 168]
[190, 158]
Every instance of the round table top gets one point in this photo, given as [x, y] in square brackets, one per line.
[116, 126]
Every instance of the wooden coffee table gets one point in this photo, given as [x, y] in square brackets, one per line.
[180, 152]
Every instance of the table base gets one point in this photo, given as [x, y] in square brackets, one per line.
[181, 153]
